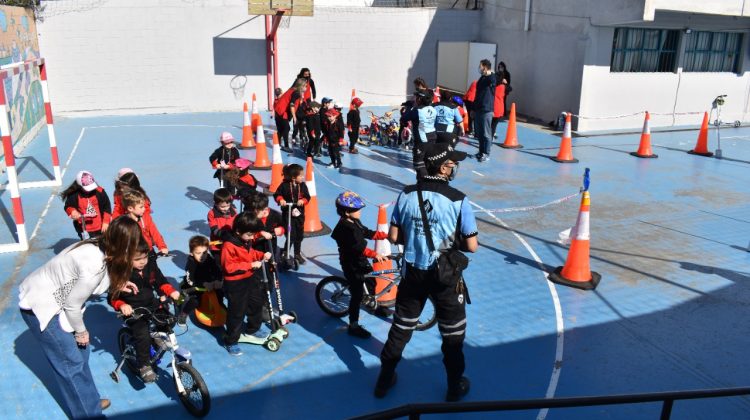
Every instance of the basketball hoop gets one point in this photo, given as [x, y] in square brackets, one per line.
[238, 86]
[285, 21]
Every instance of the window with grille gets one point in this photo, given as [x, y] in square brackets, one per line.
[644, 50]
[712, 51]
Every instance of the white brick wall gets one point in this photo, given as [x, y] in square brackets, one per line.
[158, 55]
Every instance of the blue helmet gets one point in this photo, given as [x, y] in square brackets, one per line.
[457, 100]
[350, 200]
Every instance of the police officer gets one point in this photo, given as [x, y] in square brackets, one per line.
[422, 118]
[451, 223]
[447, 119]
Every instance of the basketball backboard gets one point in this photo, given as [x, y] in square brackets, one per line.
[274, 7]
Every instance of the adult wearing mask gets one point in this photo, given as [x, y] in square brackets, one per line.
[451, 225]
[484, 106]
[502, 70]
[51, 301]
[308, 96]
[285, 109]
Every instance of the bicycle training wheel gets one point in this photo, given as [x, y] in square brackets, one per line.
[127, 349]
[196, 398]
[428, 317]
[333, 296]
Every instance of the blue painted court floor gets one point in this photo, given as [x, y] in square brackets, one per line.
[669, 237]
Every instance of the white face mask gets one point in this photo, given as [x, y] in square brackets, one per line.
[481, 72]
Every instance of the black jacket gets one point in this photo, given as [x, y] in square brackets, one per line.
[270, 223]
[353, 119]
[223, 154]
[200, 272]
[292, 195]
[351, 238]
[149, 281]
[485, 99]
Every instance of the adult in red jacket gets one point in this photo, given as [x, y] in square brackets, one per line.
[469, 97]
[499, 108]
[285, 108]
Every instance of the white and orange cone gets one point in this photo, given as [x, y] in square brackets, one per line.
[247, 132]
[313, 225]
[277, 166]
[701, 146]
[261, 153]
[255, 119]
[383, 247]
[354, 95]
[577, 270]
[644, 149]
[565, 154]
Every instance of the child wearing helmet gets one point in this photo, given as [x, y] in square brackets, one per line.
[351, 237]
[224, 156]
[353, 121]
[87, 205]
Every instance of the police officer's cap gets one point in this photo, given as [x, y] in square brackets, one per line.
[438, 153]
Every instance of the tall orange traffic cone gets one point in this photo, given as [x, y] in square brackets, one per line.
[565, 154]
[511, 136]
[313, 225]
[247, 132]
[701, 146]
[261, 153]
[354, 95]
[255, 119]
[644, 149]
[277, 166]
[383, 247]
[576, 272]
[436, 97]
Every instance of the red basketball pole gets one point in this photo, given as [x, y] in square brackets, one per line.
[272, 54]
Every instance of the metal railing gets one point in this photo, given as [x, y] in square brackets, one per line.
[415, 411]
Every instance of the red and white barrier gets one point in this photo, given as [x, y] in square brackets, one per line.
[15, 194]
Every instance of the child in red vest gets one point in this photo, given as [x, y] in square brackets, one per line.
[224, 157]
[220, 219]
[242, 287]
[87, 205]
[293, 191]
[126, 178]
[135, 206]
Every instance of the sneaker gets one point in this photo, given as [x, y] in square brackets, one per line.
[147, 374]
[384, 312]
[233, 349]
[182, 319]
[483, 158]
[104, 403]
[330, 165]
[478, 156]
[383, 385]
[458, 391]
[354, 151]
[358, 331]
[300, 259]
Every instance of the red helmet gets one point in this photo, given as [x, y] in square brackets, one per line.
[357, 102]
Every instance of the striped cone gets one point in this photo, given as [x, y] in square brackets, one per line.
[701, 146]
[511, 136]
[261, 154]
[247, 132]
[255, 119]
[277, 166]
[565, 154]
[644, 149]
[313, 225]
[383, 247]
[577, 272]
[354, 95]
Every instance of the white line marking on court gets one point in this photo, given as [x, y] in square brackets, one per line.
[478, 173]
[377, 154]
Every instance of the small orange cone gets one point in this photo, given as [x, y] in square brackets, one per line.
[565, 155]
[247, 132]
[701, 146]
[383, 247]
[354, 95]
[511, 136]
[644, 150]
[261, 154]
[576, 272]
[436, 97]
[255, 119]
[277, 165]
[313, 225]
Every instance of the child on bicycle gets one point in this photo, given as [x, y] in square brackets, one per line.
[201, 270]
[351, 237]
[242, 286]
[150, 282]
[293, 191]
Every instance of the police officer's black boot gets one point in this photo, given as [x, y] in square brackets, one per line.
[386, 379]
[458, 390]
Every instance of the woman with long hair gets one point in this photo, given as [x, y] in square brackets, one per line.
[51, 300]
[285, 109]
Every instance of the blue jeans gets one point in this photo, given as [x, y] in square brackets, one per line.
[483, 131]
[71, 366]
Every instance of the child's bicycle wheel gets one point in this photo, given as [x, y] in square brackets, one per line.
[126, 347]
[428, 318]
[196, 398]
[333, 296]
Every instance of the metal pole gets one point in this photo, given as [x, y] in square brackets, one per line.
[269, 68]
[666, 410]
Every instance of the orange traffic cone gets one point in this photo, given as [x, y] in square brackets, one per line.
[565, 155]
[701, 146]
[261, 154]
[247, 132]
[383, 247]
[277, 166]
[576, 272]
[511, 137]
[354, 95]
[436, 97]
[255, 119]
[644, 150]
[210, 312]
[313, 225]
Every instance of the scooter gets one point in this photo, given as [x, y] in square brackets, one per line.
[272, 341]
[289, 262]
[283, 318]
